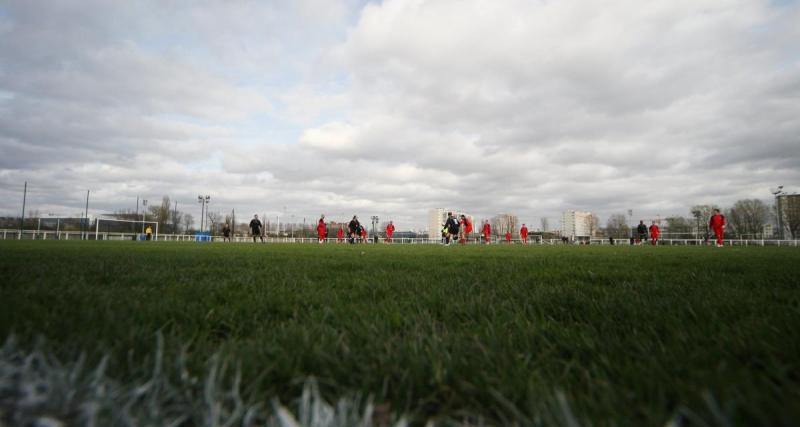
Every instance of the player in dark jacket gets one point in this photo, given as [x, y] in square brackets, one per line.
[354, 229]
[255, 229]
[452, 227]
[641, 230]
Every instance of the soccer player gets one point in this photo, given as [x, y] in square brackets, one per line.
[451, 225]
[340, 235]
[508, 237]
[467, 229]
[487, 231]
[389, 232]
[718, 224]
[255, 229]
[363, 234]
[353, 229]
[322, 229]
[523, 234]
[654, 233]
[641, 230]
[226, 233]
[148, 232]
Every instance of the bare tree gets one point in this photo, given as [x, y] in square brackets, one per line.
[176, 218]
[214, 218]
[544, 224]
[617, 226]
[188, 221]
[592, 224]
[679, 225]
[161, 213]
[702, 214]
[748, 216]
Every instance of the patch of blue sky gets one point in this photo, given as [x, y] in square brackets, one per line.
[265, 128]
[6, 95]
[784, 3]
[212, 163]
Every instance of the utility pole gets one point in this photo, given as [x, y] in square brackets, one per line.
[22, 219]
[86, 216]
[135, 216]
[203, 202]
[144, 212]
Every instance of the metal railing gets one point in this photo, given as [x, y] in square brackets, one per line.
[8, 234]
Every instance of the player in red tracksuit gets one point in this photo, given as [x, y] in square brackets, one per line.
[364, 234]
[487, 231]
[322, 229]
[340, 235]
[718, 223]
[523, 234]
[508, 237]
[389, 232]
[654, 233]
[465, 229]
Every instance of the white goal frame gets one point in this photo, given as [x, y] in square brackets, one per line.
[98, 219]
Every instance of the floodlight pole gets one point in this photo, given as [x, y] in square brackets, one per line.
[22, 218]
[374, 223]
[86, 217]
[144, 212]
[778, 192]
[203, 200]
[136, 215]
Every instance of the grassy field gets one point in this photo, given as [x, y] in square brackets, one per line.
[627, 335]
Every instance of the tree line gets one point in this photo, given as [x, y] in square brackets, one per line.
[746, 219]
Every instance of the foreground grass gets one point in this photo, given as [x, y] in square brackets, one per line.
[630, 336]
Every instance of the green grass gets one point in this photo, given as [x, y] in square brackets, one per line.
[629, 335]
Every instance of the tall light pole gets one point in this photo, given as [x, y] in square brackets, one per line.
[374, 223]
[144, 213]
[86, 215]
[778, 192]
[203, 200]
[22, 218]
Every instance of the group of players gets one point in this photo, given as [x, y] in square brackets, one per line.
[355, 231]
[458, 229]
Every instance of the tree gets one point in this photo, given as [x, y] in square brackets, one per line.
[175, 221]
[214, 218]
[161, 213]
[679, 225]
[545, 224]
[617, 226]
[592, 224]
[188, 221]
[748, 217]
[702, 214]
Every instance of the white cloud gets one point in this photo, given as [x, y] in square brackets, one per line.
[395, 107]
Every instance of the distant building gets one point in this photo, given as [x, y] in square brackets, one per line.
[577, 225]
[788, 207]
[767, 231]
[438, 216]
[505, 222]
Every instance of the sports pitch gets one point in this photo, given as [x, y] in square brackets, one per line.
[500, 334]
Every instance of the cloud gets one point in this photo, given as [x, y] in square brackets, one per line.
[396, 107]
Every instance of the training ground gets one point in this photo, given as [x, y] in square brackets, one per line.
[135, 333]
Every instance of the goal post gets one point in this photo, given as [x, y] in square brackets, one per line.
[123, 221]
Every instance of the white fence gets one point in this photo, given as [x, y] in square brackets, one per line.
[533, 240]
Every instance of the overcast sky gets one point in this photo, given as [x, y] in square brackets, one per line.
[391, 108]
